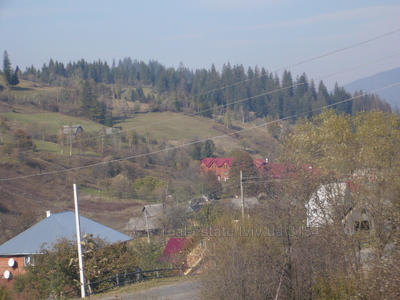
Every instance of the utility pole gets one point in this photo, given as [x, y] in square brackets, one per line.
[70, 144]
[147, 227]
[241, 193]
[78, 241]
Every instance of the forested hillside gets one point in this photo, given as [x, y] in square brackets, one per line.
[249, 94]
[143, 130]
[377, 81]
[131, 95]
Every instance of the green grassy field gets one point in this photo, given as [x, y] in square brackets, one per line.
[168, 125]
[52, 121]
[47, 146]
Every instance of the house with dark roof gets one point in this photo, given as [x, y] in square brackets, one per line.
[72, 130]
[148, 221]
[20, 250]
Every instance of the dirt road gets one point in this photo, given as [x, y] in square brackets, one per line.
[178, 291]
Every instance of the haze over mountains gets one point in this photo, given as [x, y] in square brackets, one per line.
[378, 81]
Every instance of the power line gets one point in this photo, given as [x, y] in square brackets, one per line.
[195, 142]
[232, 103]
[257, 77]
[306, 61]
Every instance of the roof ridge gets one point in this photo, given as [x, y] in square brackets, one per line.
[61, 222]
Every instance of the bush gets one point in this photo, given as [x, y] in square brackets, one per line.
[56, 271]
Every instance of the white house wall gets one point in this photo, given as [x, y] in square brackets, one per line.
[321, 206]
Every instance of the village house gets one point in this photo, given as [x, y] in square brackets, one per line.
[219, 166]
[334, 203]
[148, 222]
[22, 249]
[71, 131]
[248, 203]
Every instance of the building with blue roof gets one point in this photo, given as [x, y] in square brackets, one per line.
[17, 252]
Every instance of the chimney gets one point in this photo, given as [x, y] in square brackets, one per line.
[48, 213]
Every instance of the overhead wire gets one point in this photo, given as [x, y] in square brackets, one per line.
[238, 101]
[198, 141]
[224, 105]
[258, 77]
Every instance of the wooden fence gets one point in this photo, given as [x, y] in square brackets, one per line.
[124, 278]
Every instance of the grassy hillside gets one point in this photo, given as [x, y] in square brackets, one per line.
[170, 126]
[33, 182]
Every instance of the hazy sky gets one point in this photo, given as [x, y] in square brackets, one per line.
[275, 34]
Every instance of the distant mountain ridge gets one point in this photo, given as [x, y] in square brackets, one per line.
[377, 81]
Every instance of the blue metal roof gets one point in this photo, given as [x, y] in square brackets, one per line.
[56, 226]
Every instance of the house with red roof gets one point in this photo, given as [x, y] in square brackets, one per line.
[219, 166]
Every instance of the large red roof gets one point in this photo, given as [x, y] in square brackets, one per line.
[219, 162]
[282, 171]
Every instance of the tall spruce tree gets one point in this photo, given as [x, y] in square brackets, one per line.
[7, 70]
[208, 149]
[91, 107]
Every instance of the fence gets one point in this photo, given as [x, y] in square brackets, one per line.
[124, 278]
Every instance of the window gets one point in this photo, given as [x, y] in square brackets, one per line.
[364, 225]
[356, 225]
[28, 260]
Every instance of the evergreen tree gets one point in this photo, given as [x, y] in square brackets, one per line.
[301, 86]
[196, 151]
[133, 95]
[288, 108]
[7, 71]
[91, 107]
[208, 149]
[276, 102]
[14, 78]
[108, 120]
[323, 98]
[340, 96]
[140, 95]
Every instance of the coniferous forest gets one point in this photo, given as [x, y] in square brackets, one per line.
[251, 93]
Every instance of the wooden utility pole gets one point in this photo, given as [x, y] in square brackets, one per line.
[147, 227]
